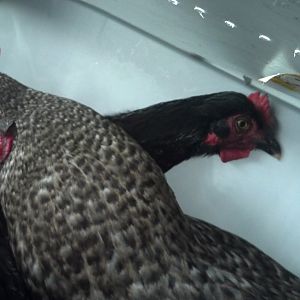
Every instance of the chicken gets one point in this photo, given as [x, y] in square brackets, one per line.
[90, 215]
[228, 124]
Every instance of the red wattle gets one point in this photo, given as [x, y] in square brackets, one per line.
[233, 154]
[6, 142]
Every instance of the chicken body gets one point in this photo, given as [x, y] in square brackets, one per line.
[90, 216]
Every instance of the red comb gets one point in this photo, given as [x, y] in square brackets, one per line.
[262, 104]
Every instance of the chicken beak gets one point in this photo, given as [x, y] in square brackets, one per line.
[271, 146]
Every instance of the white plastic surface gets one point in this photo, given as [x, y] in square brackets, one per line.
[73, 51]
[255, 38]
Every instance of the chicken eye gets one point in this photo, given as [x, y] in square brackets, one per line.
[242, 125]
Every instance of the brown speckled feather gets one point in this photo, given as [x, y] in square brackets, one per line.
[90, 215]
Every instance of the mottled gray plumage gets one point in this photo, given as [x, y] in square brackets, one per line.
[90, 215]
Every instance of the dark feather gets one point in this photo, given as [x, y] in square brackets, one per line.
[12, 286]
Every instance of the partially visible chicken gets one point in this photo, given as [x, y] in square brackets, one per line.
[90, 216]
[154, 128]
[227, 123]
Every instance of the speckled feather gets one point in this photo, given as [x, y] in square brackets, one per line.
[90, 216]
